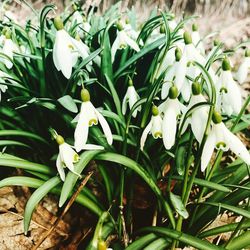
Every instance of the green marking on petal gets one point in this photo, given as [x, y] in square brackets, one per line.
[157, 135]
[93, 122]
[221, 145]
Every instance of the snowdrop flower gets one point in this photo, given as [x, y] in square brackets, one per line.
[228, 93]
[197, 39]
[62, 50]
[81, 21]
[66, 157]
[199, 116]
[9, 47]
[242, 72]
[154, 127]
[221, 138]
[176, 74]
[130, 98]
[122, 41]
[3, 87]
[171, 109]
[88, 117]
[190, 54]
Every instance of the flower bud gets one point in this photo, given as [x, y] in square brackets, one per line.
[247, 53]
[119, 26]
[217, 118]
[187, 38]
[59, 140]
[127, 21]
[196, 88]
[155, 110]
[58, 23]
[130, 82]
[226, 64]
[162, 29]
[216, 42]
[178, 54]
[85, 96]
[102, 245]
[194, 27]
[8, 33]
[173, 92]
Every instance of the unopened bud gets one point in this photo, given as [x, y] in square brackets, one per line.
[85, 96]
[173, 92]
[58, 23]
[217, 118]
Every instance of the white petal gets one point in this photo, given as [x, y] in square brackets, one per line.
[186, 90]
[63, 54]
[208, 150]
[115, 47]
[180, 73]
[198, 123]
[59, 165]
[82, 130]
[131, 42]
[105, 127]
[165, 89]
[169, 126]
[242, 72]
[234, 96]
[145, 134]
[76, 119]
[124, 103]
[236, 146]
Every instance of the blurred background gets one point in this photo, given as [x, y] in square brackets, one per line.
[228, 17]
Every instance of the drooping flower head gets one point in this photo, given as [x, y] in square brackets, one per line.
[197, 39]
[122, 41]
[228, 92]
[88, 117]
[221, 138]
[66, 157]
[243, 70]
[130, 98]
[199, 116]
[154, 127]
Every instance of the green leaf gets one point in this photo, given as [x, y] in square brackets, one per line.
[240, 242]
[35, 198]
[68, 103]
[125, 161]
[83, 198]
[184, 238]
[181, 159]
[23, 134]
[178, 205]
[6, 161]
[13, 143]
[71, 178]
[234, 209]
[140, 54]
[142, 242]
[208, 184]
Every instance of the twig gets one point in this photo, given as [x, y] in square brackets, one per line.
[71, 201]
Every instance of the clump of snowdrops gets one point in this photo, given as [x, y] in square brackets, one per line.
[141, 102]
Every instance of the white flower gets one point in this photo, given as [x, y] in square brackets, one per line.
[3, 87]
[122, 41]
[9, 47]
[221, 138]
[154, 127]
[66, 158]
[62, 53]
[130, 98]
[176, 74]
[171, 109]
[242, 72]
[199, 116]
[81, 22]
[88, 117]
[66, 50]
[197, 39]
[228, 93]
